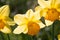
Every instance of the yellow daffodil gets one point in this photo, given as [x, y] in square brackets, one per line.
[58, 37]
[50, 9]
[28, 23]
[5, 21]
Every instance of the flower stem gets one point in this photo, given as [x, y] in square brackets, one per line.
[8, 36]
[53, 31]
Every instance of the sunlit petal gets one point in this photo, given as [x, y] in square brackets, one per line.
[36, 16]
[44, 3]
[20, 19]
[41, 25]
[9, 21]
[43, 12]
[19, 29]
[6, 30]
[38, 8]
[4, 10]
[57, 3]
[53, 3]
[57, 7]
[48, 22]
[26, 30]
[29, 14]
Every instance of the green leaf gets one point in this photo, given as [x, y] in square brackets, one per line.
[12, 36]
[4, 36]
[19, 36]
[1, 36]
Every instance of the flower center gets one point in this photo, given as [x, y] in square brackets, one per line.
[52, 14]
[33, 28]
[2, 24]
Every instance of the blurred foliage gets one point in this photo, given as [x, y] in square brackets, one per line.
[20, 7]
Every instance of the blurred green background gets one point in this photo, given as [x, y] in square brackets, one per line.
[20, 7]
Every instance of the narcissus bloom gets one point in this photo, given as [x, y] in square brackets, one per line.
[5, 21]
[28, 23]
[50, 9]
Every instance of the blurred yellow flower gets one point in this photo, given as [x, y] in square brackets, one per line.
[5, 21]
[50, 9]
[28, 23]
[58, 37]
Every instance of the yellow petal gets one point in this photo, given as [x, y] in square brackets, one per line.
[44, 3]
[9, 21]
[53, 3]
[4, 10]
[38, 8]
[41, 25]
[57, 6]
[19, 29]
[33, 15]
[6, 30]
[37, 13]
[29, 14]
[26, 30]
[57, 2]
[20, 19]
[48, 22]
[36, 16]
[58, 37]
[58, 9]
[43, 12]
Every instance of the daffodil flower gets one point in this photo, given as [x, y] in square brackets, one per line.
[28, 23]
[5, 21]
[50, 9]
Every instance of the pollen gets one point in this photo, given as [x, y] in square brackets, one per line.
[33, 28]
[52, 14]
[2, 24]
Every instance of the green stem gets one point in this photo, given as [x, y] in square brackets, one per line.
[34, 38]
[2, 36]
[53, 31]
[8, 36]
